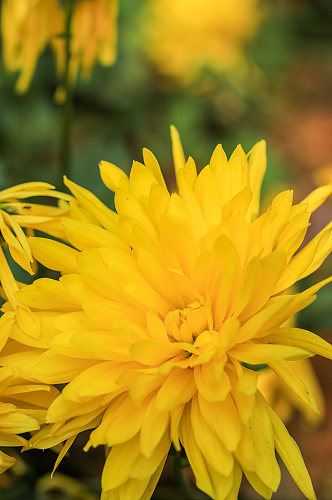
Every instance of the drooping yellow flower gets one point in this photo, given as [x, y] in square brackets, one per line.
[22, 409]
[93, 37]
[182, 37]
[29, 26]
[160, 313]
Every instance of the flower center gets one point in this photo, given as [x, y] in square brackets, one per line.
[192, 325]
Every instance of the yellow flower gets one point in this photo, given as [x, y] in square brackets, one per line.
[23, 407]
[15, 215]
[29, 26]
[181, 37]
[160, 313]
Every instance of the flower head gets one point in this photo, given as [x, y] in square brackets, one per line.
[161, 314]
[195, 33]
[29, 26]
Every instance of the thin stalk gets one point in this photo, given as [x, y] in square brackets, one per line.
[68, 104]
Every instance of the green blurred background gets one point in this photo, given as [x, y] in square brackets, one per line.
[286, 98]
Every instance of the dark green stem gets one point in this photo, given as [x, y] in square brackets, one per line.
[66, 88]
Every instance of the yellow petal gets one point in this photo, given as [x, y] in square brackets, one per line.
[257, 167]
[267, 467]
[178, 155]
[209, 388]
[28, 321]
[121, 422]
[212, 448]
[304, 339]
[153, 165]
[258, 484]
[151, 352]
[156, 274]
[224, 419]
[317, 197]
[84, 235]
[46, 294]
[145, 466]
[63, 453]
[153, 482]
[141, 180]
[17, 423]
[100, 345]
[5, 462]
[98, 210]
[93, 381]
[178, 388]
[119, 463]
[237, 477]
[7, 280]
[154, 425]
[6, 325]
[26, 186]
[113, 177]
[194, 454]
[284, 370]
[254, 353]
[291, 456]
[307, 260]
[11, 440]
[53, 368]
[54, 255]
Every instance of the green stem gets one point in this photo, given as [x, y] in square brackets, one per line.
[67, 105]
[181, 478]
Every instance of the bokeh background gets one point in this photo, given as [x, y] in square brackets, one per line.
[278, 88]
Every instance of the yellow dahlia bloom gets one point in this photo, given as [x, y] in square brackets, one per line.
[161, 311]
[29, 26]
[181, 37]
[22, 408]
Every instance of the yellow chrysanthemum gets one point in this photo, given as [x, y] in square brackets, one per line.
[22, 409]
[29, 26]
[181, 37]
[160, 313]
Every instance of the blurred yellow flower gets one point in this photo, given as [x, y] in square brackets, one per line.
[323, 175]
[285, 402]
[182, 37]
[161, 315]
[29, 26]
[23, 407]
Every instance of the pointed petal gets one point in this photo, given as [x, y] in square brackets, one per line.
[291, 456]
